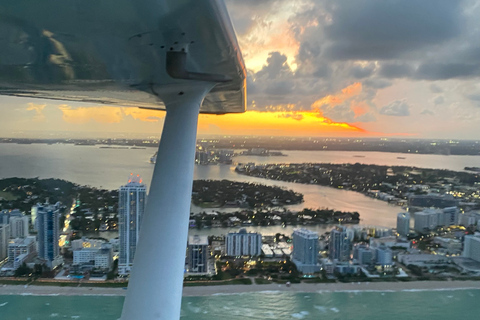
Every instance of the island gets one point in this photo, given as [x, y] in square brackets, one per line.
[402, 185]
[226, 193]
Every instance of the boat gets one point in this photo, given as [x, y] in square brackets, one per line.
[153, 159]
[402, 158]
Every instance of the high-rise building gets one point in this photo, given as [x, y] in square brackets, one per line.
[243, 243]
[4, 239]
[363, 254]
[471, 247]
[403, 223]
[19, 226]
[426, 220]
[305, 250]
[131, 206]
[197, 254]
[384, 256]
[48, 223]
[6, 215]
[339, 245]
[450, 216]
[21, 250]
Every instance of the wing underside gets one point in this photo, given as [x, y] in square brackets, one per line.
[114, 51]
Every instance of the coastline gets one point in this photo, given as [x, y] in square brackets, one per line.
[34, 290]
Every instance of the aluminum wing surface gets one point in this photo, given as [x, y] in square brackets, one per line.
[114, 51]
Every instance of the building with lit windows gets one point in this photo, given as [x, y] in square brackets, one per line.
[197, 254]
[339, 245]
[131, 206]
[21, 250]
[48, 225]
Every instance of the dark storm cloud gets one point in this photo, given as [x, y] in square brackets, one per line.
[360, 72]
[445, 71]
[386, 29]
[395, 70]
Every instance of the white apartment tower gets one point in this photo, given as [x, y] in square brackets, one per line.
[305, 250]
[19, 227]
[131, 206]
[4, 239]
[243, 243]
[471, 247]
[403, 223]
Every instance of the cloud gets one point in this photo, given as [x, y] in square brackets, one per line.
[377, 83]
[38, 108]
[435, 88]
[107, 115]
[427, 112]
[379, 29]
[360, 72]
[395, 70]
[439, 100]
[398, 108]
[444, 70]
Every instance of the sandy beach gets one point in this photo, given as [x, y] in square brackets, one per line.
[237, 289]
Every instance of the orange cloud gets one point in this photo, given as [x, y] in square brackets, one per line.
[334, 100]
[38, 108]
[297, 123]
[146, 115]
[86, 114]
[82, 115]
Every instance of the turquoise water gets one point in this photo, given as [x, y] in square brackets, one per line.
[405, 305]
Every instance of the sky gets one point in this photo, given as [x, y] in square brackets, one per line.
[364, 68]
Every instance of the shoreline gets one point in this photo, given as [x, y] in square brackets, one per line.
[35, 290]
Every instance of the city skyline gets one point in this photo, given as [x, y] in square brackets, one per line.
[320, 68]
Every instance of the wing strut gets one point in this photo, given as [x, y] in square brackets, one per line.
[156, 282]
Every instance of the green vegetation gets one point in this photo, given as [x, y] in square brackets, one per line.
[238, 194]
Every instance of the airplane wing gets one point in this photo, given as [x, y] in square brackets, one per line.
[114, 51]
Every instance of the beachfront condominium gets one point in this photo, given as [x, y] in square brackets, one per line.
[197, 254]
[471, 247]
[19, 226]
[4, 238]
[403, 224]
[21, 250]
[48, 225]
[131, 206]
[305, 250]
[426, 220]
[339, 245]
[430, 219]
[243, 243]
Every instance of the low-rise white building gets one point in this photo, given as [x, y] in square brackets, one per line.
[96, 257]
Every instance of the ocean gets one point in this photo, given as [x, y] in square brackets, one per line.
[400, 305]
